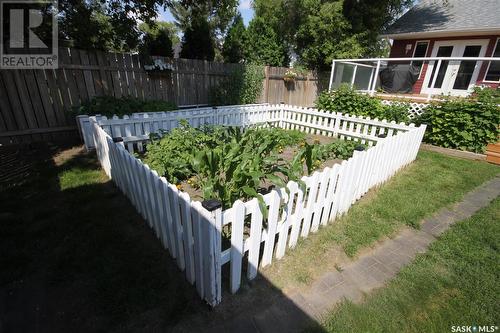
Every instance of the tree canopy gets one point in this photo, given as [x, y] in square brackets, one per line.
[369, 17]
[316, 31]
[323, 33]
[233, 49]
[264, 46]
[312, 32]
[196, 18]
[158, 39]
[110, 25]
[197, 41]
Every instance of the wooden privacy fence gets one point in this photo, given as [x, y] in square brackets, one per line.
[192, 231]
[35, 105]
[303, 91]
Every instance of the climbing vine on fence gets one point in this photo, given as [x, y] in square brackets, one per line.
[242, 86]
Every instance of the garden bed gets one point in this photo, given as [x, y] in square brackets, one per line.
[228, 163]
[240, 152]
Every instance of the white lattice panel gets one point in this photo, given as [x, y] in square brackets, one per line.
[416, 109]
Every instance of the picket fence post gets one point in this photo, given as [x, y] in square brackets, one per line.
[212, 234]
[282, 116]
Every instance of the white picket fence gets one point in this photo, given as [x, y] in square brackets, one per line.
[192, 231]
[138, 126]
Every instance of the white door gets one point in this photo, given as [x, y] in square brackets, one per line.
[454, 77]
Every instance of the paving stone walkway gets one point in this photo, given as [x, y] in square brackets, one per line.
[362, 276]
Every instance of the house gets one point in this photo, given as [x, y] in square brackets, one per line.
[449, 28]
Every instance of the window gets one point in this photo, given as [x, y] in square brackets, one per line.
[419, 52]
[493, 72]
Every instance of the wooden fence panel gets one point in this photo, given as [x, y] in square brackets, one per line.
[35, 102]
[303, 91]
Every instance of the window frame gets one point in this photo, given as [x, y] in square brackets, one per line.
[428, 41]
[497, 44]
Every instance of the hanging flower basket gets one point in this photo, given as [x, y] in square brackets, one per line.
[158, 65]
[290, 76]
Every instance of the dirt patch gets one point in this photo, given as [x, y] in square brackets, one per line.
[65, 155]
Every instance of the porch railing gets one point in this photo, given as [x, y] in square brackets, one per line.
[365, 72]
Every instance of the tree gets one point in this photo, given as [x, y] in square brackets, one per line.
[235, 41]
[218, 14]
[84, 25]
[369, 17]
[194, 16]
[267, 41]
[264, 46]
[157, 45]
[110, 25]
[158, 39]
[197, 41]
[318, 31]
[156, 26]
[324, 34]
[373, 15]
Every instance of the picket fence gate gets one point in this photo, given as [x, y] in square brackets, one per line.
[192, 231]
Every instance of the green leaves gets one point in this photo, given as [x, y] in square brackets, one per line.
[242, 86]
[230, 165]
[464, 123]
[347, 101]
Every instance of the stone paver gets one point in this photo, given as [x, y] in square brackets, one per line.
[367, 273]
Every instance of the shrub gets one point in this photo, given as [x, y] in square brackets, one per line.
[486, 95]
[397, 111]
[464, 123]
[109, 106]
[242, 86]
[347, 101]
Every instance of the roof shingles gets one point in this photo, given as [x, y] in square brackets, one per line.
[448, 15]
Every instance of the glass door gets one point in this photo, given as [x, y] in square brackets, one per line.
[464, 74]
[454, 77]
[442, 51]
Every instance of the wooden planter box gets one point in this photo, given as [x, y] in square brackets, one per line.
[493, 153]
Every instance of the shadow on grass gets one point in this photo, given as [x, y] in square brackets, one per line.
[76, 256]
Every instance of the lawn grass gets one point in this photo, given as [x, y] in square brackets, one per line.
[76, 256]
[433, 181]
[454, 284]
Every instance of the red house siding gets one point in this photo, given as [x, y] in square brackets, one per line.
[484, 67]
[398, 50]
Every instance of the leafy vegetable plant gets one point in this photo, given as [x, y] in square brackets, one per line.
[228, 163]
